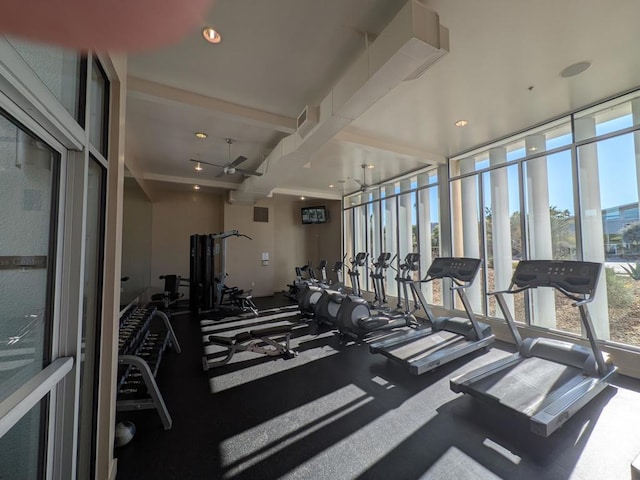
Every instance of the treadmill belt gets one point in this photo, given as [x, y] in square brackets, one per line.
[416, 349]
[530, 385]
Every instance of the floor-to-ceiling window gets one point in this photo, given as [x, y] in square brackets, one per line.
[566, 190]
[53, 187]
[401, 217]
[29, 182]
[390, 236]
[429, 238]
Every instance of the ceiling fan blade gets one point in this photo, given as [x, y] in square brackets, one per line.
[238, 161]
[248, 172]
[206, 163]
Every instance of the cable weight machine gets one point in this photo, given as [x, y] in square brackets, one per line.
[206, 284]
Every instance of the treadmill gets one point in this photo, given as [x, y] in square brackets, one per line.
[423, 350]
[547, 381]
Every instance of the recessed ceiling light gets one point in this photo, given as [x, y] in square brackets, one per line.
[533, 149]
[331, 186]
[301, 198]
[211, 35]
[461, 123]
[371, 166]
[201, 135]
[196, 187]
[198, 167]
[575, 69]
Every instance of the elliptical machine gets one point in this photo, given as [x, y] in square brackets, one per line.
[377, 275]
[311, 292]
[328, 303]
[356, 319]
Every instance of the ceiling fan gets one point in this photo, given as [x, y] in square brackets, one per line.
[364, 186]
[230, 167]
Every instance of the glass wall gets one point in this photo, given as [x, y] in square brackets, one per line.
[567, 190]
[51, 295]
[390, 239]
[91, 320]
[401, 217]
[60, 70]
[99, 108]
[29, 181]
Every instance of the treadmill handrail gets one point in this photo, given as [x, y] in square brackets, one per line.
[580, 302]
[417, 292]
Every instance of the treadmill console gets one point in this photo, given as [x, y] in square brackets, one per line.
[569, 275]
[458, 268]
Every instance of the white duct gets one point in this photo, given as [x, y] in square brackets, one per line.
[408, 45]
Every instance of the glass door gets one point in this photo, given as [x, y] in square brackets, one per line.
[29, 182]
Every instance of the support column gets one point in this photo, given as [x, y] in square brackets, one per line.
[470, 230]
[540, 246]
[501, 227]
[592, 229]
[405, 208]
[375, 223]
[390, 230]
[424, 226]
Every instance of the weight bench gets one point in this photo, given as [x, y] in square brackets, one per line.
[244, 301]
[254, 341]
[237, 298]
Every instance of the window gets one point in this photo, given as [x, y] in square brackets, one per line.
[399, 218]
[360, 240]
[610, 184]
[91, 321]
[428, 215]
[29, 191]
[98, 126]
[61, 71]
[503, 231]
[390, 239]
[543, 197]
[22, 448]
[609, 117]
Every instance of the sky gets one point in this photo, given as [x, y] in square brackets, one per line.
[616, 164]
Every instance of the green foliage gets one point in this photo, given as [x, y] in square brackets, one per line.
[633, 270]
[619, 291]
[631, 233]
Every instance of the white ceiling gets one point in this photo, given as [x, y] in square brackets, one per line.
[502, 75]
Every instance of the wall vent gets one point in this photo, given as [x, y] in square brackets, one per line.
[307, 120]
[261, 214]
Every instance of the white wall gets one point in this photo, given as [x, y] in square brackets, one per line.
[136, 241]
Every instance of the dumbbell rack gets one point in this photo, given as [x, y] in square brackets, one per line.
[141, 344]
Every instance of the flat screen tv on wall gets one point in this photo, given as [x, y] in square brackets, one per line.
[314, 215]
